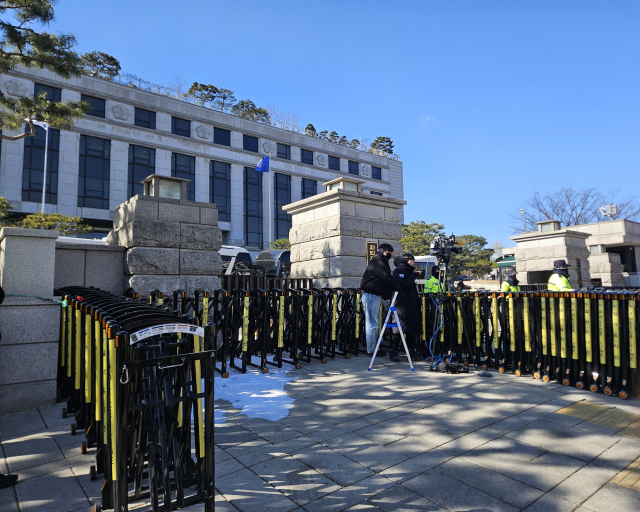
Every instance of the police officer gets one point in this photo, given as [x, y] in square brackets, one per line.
[559, 280]
[511, 284]
[432, 285]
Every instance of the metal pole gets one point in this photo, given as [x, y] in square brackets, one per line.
[525, 221]
[270, 202]
[44, 177]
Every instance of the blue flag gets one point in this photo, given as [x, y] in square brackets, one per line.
[263, 164]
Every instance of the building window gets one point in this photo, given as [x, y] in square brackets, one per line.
[95, 170]
[33, 166]
[142, 163]
[282, 193]
[145, 119]
[184, 166]
[180, 127]
[353, 168]
[334, 163]
[376, 173]
[250, 143]
[222, 137]
[309, 188]
[220, 188]
[594, 249]
[97, 105]
[253, 207]
[376, 193]
[284, 151]
[53, 95]
[306, 157]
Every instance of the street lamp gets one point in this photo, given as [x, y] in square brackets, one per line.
[524, 214]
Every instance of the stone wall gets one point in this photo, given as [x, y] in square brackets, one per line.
[170, 244]
[30, 326]
[330, 230]
[607, 267]
[94, 264]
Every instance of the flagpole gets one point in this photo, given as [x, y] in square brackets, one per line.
[44, 177]
[270, 201]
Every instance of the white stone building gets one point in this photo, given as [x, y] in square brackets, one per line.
[131, 133]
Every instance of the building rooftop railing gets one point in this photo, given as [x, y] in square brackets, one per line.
[134, 81]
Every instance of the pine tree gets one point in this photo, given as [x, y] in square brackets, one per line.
[203, 93]
[101, 65]
[310, 131]
[383, 143]
[333, 137]
[22, 45]
[224, 100]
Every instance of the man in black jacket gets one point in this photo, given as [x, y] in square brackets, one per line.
[377, 285]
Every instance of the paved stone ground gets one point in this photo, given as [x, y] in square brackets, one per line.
[386, 440]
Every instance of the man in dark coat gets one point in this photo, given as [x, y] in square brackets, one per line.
[377, 285]
[407, 306]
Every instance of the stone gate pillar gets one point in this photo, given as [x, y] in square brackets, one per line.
[170, 243]
[330, 230]
[537, 250]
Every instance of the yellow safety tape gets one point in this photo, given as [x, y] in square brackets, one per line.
[310, 321]
[98, 373]
[78, 349]
[527, 333]
[205, 311]
[543, 322]
[198, 347]
[552, 320]
[358, 316]
[574, 328]
[460, 326]
[587, 331]
[615, 320]
[333, 316]
[496, 337]
[87, 358]
[424, 318]
[281, 324]
[633, 358]
[512, 324]
[478, 323]
[563, 331]
[112, 408]
[601, 332]
[63, 338]
[105, 401]
[245, 325]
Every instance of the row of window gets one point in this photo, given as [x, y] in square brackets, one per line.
[94, 179]
[182, 127]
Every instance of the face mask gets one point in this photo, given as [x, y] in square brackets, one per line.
[388, 256]
[562, 272]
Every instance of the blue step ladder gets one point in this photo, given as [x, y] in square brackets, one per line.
[392, 309]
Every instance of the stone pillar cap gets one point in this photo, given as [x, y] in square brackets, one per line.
[345, 183]
[39, 233]
[153, 186]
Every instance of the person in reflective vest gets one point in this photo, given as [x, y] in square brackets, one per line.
[559, 280]
[511, 284]
[432, 285]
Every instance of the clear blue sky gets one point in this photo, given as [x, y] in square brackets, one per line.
[485, 101]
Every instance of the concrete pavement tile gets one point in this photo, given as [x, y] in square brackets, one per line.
[244, 448]
[379, 434]
[227, 467]
[548, 503]
[31, 450]
[561, 463]
[497, 485]
[620, 455]
[338, 468]
[55, 466]
[367, 453]
[91, 488]
[361, 507]
[534, 475]
[613, 497]
[416, 465]
[582, 484]
[58, 491]
[8, 501]
[231, 435]
[452, 494]
[220, 455]
[307, 423]
[400, 499]
[249, 493]
[469, 441]
[410, 446]
[20, 423]
[338, 430]
[515, 447]
[392, 412]
[350, 495]
[565, 445]
[295, 480]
